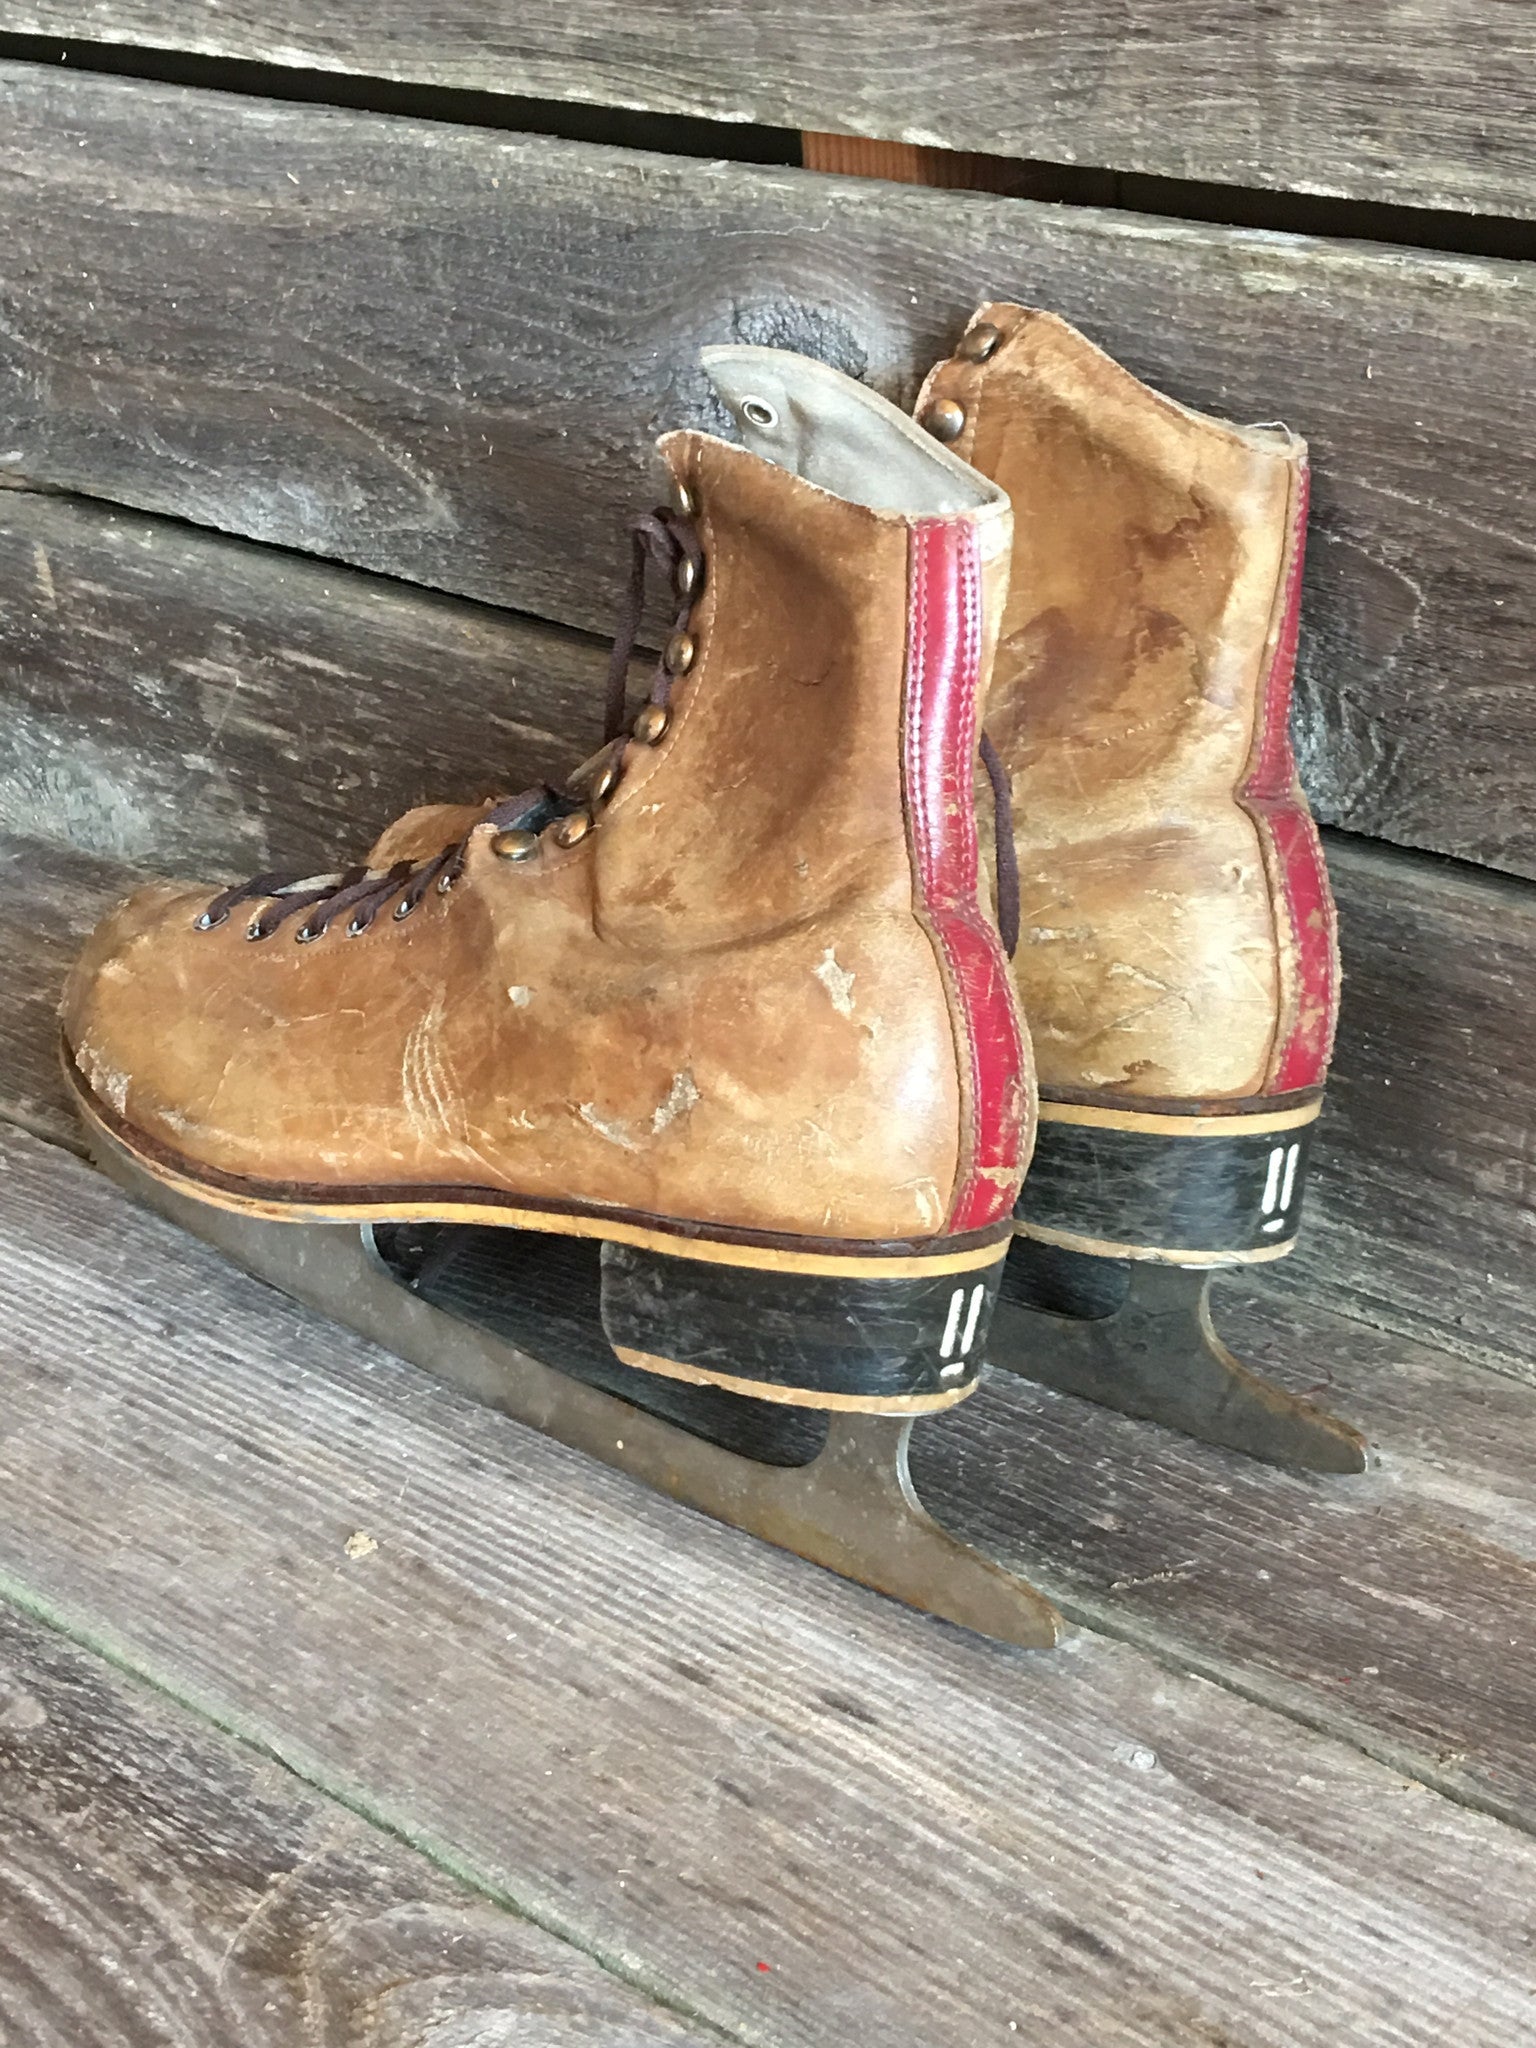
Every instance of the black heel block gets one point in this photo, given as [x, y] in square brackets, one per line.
[901, 1345]
[1118, 1188]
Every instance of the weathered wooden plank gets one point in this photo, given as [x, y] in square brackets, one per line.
[1435, 111]
[50, 897]
[163, 1887]
[173, 698]
[174, 701]
[1398, 1608]
[675, 1744]
[1425, 1202]
[443, 352]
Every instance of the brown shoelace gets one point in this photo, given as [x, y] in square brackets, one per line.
[663, 540]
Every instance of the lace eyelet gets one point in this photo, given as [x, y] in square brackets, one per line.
[307, 933]
[356, 926]
[404, 907]
[209, 923]
[945, 419]
[257, 930]
[445, 881]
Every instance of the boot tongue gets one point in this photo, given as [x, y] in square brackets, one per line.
[840, 436]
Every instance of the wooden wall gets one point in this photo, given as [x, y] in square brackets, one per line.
[436, 352]
[1425, 104]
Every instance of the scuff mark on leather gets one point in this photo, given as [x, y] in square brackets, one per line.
[612, 1128]
[837, 981]
[677, 1101]
[681, 1097]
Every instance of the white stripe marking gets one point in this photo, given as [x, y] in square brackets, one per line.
[1272, 1185]
[971, 1320]
[1286, 1192]
[951, 1328]
[1274, 1223]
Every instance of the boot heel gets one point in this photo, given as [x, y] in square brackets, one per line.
[1180, 1189]
[885, 1346]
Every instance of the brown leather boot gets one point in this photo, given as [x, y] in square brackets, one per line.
[729, 1005]
[1177, 961]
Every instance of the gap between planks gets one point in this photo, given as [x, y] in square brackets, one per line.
[156, 1879]
[115, 1652]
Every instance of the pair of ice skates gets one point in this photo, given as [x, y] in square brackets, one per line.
[696, 1097]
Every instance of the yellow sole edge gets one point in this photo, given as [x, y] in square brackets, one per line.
[1179, 1126]
[1159, 1255]
[795, 1397]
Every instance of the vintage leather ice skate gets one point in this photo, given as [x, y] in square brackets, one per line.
[727, 1009]
[1177, 961]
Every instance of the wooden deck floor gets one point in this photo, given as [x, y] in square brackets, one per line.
[335, 1708]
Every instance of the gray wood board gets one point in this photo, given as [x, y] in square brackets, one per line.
[1422, 1216]
[50, 897]
[163, 1887]
[1438, 112]
[173, 700]
[670, 1743]
[443, 353]
[172, 697]
[1397, 1608]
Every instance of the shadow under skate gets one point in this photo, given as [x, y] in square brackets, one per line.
[1138, 1337]
[513, 1318]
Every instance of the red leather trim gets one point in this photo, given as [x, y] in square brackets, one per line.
[1272, 796]
[939, 761]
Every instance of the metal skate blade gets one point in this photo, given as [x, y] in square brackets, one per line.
[1157, 1357]
[849, 1505]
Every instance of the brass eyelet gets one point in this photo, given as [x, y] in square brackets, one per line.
[256, 930]
[945, 419]
[445, 881]
[404, 907]
[513, 846]
[685, 577]
[208, 923]
[607, 782]
[572, 830]
[682, 648]
[307, 934]
[684, 503]
[355, 929]
[650, 727]
[979, 342]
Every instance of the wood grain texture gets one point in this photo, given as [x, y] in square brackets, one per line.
[1397, 1609]
[172, 698]
[1422, 1208]
[163, 1887]
[1432, 108]
[671, 1743]
[50, 897]
[443, 353]
[174, 701]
